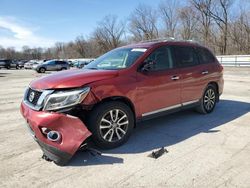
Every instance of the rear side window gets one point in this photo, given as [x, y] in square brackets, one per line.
[185, 56]
[162, 58]
[205, 56]
[60, 62]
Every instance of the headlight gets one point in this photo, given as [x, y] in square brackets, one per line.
[63, 99]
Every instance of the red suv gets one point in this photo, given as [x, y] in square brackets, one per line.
[106, 98]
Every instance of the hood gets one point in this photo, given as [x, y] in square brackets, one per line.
[72, 78]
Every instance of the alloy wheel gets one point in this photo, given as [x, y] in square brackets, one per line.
[114, 125]
[209, 99]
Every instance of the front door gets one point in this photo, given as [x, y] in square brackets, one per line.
[159, 88]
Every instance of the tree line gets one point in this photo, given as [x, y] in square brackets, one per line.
[221, 25]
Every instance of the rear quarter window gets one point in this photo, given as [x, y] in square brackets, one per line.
[63, 62]
[205, 56]
[185, 56]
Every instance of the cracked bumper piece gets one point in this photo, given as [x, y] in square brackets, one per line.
[72, 130]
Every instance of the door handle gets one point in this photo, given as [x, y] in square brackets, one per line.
[204, 72]
[175, 78]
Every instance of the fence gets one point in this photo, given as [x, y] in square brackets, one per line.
[234, 60]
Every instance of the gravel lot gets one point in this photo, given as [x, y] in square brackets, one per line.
[204, 150]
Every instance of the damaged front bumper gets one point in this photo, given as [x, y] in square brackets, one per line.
[72, 130]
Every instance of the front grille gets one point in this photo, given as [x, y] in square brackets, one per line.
[37, 95]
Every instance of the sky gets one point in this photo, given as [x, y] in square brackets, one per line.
[44, 22]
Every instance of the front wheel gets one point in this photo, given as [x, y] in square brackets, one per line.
[208, 101]
[111, 124]
[62, 69]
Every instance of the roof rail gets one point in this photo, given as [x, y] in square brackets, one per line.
[158, 40]
[169, 39]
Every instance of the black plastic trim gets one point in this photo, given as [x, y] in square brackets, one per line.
[59, 157]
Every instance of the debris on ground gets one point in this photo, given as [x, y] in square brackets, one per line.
[158, 153]
[46, 158]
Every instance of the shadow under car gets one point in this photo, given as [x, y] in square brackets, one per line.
[167, 130]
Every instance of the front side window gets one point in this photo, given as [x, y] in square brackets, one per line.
[162, 59]
[185, 56]
[117, 59]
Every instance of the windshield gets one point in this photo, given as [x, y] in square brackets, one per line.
[116, 59]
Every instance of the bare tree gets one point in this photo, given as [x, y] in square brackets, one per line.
[59, 50]
[220, 13]
[240, 34]
[203, 7]
[143, 23]
[188, 22]
[169, 10]
[210, 21]
[80, 44]
[108, 34]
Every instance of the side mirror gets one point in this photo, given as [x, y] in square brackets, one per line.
[147, 66]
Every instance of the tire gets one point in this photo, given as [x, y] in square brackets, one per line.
[8, 67]
[63, 69]
[108, 132]
[208, 101]
[42, 70]
[61, 163]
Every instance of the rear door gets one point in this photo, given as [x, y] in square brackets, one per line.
[190, 73]
[51, 66]
[58, 65]
[159, 88]
[207, 61]
[209, 66]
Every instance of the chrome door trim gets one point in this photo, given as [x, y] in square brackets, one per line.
[189, 102]
[169, 108]
[161, 110]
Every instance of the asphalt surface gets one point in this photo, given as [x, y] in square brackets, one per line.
[203, 150]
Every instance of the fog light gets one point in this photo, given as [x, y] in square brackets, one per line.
[53, 136]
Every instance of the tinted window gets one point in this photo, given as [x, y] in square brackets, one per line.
[60, 62]
[51, 63]
[205, 56]
[185, 56]
[6, 61]
[162, 58]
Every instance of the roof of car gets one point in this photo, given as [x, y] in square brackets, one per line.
[149, 44]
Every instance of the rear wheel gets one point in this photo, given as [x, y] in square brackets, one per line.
[42, 70]
[208, 101]
[111, 124]
[8, 67]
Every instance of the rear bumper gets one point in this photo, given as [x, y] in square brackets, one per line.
[73, 132]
